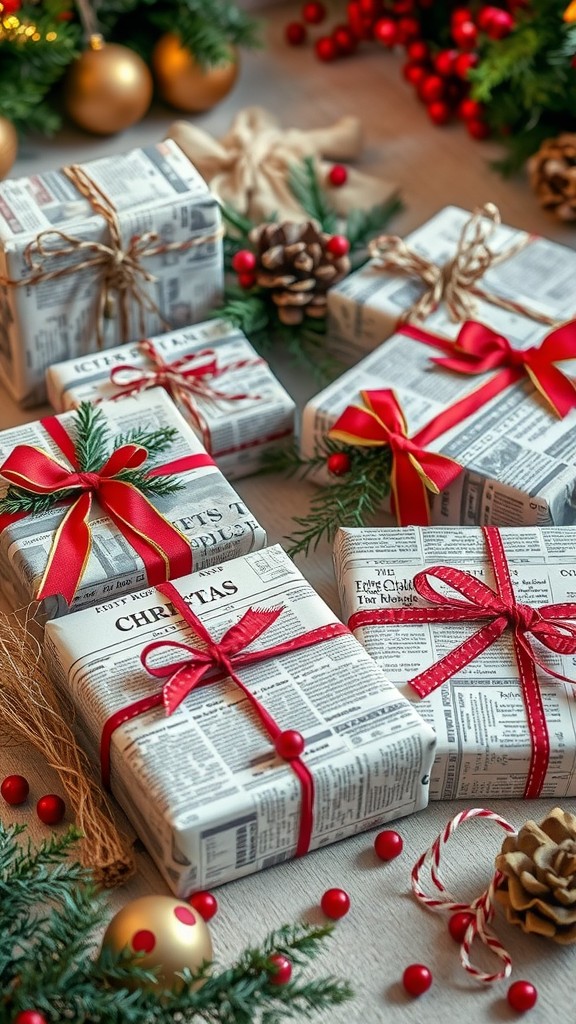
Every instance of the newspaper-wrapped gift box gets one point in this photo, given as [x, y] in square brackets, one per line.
[203, 785]
[493, 730]
[206, 519]
[116, 249]
[365, 308]
[518, 456]
[222, 387]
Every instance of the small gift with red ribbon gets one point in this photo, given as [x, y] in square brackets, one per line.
[458, 266]
[225, 391]
[95, 503]
[238, 721]
[479, 627]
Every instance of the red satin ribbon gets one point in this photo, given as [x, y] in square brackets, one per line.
[221, 658]
[163, 549]
[504, 612]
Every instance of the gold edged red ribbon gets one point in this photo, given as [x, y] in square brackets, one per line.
[163, 549]
[214, 661]
[503, 612]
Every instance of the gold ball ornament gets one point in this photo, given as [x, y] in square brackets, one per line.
[184, 83]
[169, 934]
[8, 146]
[108, 88]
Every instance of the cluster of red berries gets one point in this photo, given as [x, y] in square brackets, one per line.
[50, 808]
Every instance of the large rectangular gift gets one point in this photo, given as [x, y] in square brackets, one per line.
[479, 434]
[479, 627]
[238, 722]
[98, 502]
[225, 391]
[456, 267]
[100, 254]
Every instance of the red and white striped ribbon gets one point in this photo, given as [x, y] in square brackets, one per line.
[481, 909]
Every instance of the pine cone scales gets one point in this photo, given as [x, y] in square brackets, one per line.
[293, 263]
[553, 175]
[539, 863]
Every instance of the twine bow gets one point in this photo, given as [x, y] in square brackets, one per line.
[454, 282]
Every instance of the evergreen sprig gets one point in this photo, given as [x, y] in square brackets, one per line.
[306, 188]
[50, 910]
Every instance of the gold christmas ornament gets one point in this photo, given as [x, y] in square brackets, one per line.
[168, 933]
[185, 84]
[8, 146]
[108, 88]
[539, 893]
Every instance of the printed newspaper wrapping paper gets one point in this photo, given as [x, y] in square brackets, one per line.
[366, 308]
[518, 457]
[196, 769]
[225, 391]
[207, 514]
[100, 254]
[505, 721]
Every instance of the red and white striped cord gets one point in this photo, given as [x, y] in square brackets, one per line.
[482, 908]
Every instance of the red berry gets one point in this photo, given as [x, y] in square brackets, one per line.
[337, 175]
[335, 903]
[385, 32]
[246, 280]
[295, 33]
[344, 39]
[431, 88]
[326, 48]
[30, 1017]
[414, 73]
[464, 63]
[244, 261]
[205, 903]
[51, 809]
[15, 790]
[458, 924]
[485, 15]
[338, 245]
[313, 12]
[403, 6]
[444, 62]
[11, 6]
[418, 51]
[477, 128]
[465, 35]
[470, 109]
[281, 969]
[500, 25]
[289, 744]
[438, 112]
[388, 844]
[417, 979]
[408, 29]
[522, 996]
[461, 14]
[338, 463]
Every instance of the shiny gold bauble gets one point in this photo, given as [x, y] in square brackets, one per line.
[168, 933]
[108, 88]
[183, 83]
[8, 146]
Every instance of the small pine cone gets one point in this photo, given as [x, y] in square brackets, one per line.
[292, 261]
[552, 173]
[539, 892]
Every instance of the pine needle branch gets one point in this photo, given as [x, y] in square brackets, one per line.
[305, 187]
[91, 437]
[156, 442]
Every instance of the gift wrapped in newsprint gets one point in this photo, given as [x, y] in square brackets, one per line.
[478, 626]
[225, 391]
[458, 266]
[237, 721]
[100, 254]
[102, 535]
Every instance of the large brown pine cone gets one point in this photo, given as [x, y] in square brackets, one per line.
[539, 893]
[295, 265]
[552, 173]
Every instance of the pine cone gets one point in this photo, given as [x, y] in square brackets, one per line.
[539, 893]
[553, 175]
[295, 265]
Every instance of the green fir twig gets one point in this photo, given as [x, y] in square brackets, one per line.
[305, 187]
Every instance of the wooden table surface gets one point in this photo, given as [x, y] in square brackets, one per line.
[385, 929]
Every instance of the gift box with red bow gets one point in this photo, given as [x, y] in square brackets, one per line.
[101, 254]
[456, 267]
[472, 432]
[478, 626]
[225, 391]
[237, 720]
[99, 501]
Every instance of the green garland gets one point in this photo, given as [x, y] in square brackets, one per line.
[50, 909]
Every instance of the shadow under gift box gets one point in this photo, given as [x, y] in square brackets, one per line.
[206, 510]
[204, 787]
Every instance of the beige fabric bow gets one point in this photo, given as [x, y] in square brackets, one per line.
[247, 167]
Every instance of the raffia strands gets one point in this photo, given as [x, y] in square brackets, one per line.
[30, 708]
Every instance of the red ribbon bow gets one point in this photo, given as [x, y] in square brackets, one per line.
[163, 549]
[221, 659]
[479, 349]
[504, 612]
